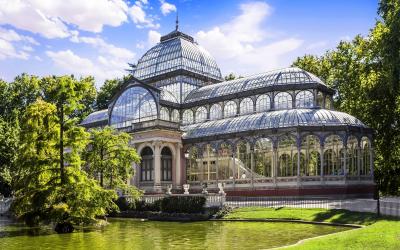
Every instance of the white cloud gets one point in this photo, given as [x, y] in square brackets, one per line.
[140, 17]
[317, 45]
[244, 46]
[50, 18]
[12, 36]
[38, 58]
[153, 37]
[7, 50]
[166, 8]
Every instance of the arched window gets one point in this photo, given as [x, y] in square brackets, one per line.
[230, 109]
[320, 99]
[225, 162]
[164, 114]
[328, 102]
[263, 103]
[135, 104]
[366, 157]
[209, 169]
[332, 156]
[246, 106]
[187, 117]
[283, 100]
[263, 151]
[352, 155]
[287, 166]
[166, 164]
[311, 164]
[304, 99]
[146, 165]
[201, 114]
[175, 115]
[243, 160]
[192, 165]
[215, 112]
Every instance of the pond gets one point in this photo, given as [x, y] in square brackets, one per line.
[136, 234]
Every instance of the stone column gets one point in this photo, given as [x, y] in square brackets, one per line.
[321, 150]
[274, 164]
[157, 166]
[234, 167]
[298, 165]
[359, 162]
[371, 161]
[178, 167]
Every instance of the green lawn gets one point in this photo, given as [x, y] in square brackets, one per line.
[379, 233]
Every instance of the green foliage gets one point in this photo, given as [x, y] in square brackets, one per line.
[366, 76]
[110, 155]
[183, 204]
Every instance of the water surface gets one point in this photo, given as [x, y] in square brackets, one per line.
[136, 234]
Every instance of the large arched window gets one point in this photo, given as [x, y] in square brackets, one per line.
[192, 165]
[310, 165]
[352, 155]
[287, 165]
[304, 99]
[243, 160]
[246, 106]
[263, 151]
[209, 170]
[263, 103]
[320, 99]
[215, 112]
[146, 165]
[201, 114]
[175, 115]
[166, 164]
[366, 157]
[328, 102]
[225, 162]
[333, 165]
[187, 117]
[135, 104]
[164, 114]
[230, 109]
[283, 100]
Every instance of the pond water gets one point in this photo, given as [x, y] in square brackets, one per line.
[136, 234]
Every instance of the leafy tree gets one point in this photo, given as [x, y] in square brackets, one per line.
[110, 156]
[232, 76]
[366, 76]
[40, 192]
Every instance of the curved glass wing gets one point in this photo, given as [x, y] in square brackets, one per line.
[277, 77]
[101, 115]
[135, 104]
[271, 120]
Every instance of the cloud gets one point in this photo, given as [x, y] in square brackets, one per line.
[14, 45]
[50, 18]
[12, 36]
[7, 50]
[244, 46]
[317, 45]
[153, 37]
[139, 16]
[70, 63]
[166, 8]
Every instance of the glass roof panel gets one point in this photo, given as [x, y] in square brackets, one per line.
[101, 115]
[270, 120]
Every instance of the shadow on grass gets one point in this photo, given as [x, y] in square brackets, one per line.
[349, 217]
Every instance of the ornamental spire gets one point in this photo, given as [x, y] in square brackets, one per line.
[177, 22]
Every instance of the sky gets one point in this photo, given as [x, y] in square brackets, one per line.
[99, 37]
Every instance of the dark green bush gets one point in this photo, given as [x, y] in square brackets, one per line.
[122, 203]
[141, 205]
[183, 204]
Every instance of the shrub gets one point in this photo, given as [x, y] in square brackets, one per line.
[141, 205]
[122, 203]
[183, 204]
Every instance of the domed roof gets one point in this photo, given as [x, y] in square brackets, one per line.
[284, 76]
[271, 120]
[177, 51]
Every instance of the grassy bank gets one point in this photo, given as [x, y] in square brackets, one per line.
[379, 233]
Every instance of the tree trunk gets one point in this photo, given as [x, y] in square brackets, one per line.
[101, 178]
[62, 144]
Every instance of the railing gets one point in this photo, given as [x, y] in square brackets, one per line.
[212, 200]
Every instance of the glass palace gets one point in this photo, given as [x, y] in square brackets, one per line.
[274, 133]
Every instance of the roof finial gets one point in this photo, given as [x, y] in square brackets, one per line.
[177, 22]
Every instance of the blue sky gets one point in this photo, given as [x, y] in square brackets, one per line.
[99, 37]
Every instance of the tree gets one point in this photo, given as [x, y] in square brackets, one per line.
[366, 76]
[40, 192]
[110, 156]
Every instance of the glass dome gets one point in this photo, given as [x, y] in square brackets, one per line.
[177, 51]
[271, 120]
[98, 116]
